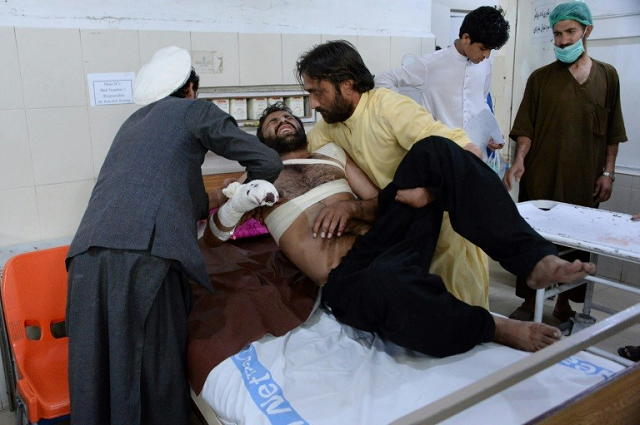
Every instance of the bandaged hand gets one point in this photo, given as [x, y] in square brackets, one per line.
[244, 198]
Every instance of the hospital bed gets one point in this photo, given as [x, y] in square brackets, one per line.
[597, 231]
[262, 351]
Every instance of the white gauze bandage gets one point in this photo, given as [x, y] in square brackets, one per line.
[244, 198]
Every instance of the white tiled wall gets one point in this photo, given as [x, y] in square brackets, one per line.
[224, 46]
[11, 83]
[52, 143]
[292, 46]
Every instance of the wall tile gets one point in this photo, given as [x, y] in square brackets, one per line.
[215, 58]
[260, 59]
[10, 79]
[404, 46]
[19, 216]
[16, 169]
[623, 180]
[60, 144]
[619, 201]
[152, 41]
[109, 51]
[609, 267]
[428, 45]
[61, 207]
[293, 45]
[104, 123]
[636, 182]
[634, 202]
[631, 274]
[51, 67]
[376, 53]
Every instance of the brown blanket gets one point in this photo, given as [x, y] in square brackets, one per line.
[258, 292]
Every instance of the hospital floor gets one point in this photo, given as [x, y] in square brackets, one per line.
[502, 300]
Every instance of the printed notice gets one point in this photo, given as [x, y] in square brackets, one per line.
[542, 31]
[111, 89]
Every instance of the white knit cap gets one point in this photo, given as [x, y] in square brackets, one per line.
[167, 71]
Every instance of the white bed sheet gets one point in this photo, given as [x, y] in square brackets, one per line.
[326, 373]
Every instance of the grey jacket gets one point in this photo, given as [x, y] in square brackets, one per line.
[150, 194]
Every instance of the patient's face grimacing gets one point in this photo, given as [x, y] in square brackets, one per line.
[283, 132]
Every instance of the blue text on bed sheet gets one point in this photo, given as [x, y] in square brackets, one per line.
[265, 392]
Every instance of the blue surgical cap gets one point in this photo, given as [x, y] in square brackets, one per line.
[575, 10]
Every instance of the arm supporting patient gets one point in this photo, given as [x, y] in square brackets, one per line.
[334, 219]
[337, 218]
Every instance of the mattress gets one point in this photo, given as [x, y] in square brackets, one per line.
[324, 372]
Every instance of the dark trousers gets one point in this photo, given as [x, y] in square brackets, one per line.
[127, 326]
[383, 284]
[576, 294]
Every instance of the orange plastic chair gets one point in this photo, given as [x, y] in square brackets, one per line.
[34, 298]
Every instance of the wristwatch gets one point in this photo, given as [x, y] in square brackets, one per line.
[612, 176]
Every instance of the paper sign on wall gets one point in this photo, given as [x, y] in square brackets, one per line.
[542, 31]
[111, 89]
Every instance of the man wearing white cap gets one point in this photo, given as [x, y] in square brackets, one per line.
[136, 248]
[567, 132]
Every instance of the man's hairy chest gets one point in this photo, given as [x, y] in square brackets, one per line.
[297, 179]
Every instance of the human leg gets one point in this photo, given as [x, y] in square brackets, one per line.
[526, 336]
[525, 311]
[382, 286]
[88, 344]
[164, 389]
[392, 294]
[480, 209]
[110, 295]
[563, 310]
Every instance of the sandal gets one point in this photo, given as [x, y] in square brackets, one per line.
[631, 352]
[522, 314]
[563, 316]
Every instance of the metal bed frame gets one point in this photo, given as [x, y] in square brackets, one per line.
[597, 231]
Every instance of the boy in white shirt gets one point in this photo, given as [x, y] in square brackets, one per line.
[454, 82]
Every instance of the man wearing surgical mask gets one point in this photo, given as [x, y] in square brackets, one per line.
[567, 132]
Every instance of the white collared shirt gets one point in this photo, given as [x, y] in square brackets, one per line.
[452, 88]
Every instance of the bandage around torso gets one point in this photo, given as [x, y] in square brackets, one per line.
[281, 218]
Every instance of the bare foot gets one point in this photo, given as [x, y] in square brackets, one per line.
[416, 197]
[526, 336]
[553, 269]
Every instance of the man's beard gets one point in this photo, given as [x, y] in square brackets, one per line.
[288, 142]
[340, 110]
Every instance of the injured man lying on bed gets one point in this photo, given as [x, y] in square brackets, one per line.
[374, 272]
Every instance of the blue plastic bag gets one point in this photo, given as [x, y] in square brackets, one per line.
[497, 163]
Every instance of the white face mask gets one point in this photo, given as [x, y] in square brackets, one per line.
[571, 53]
